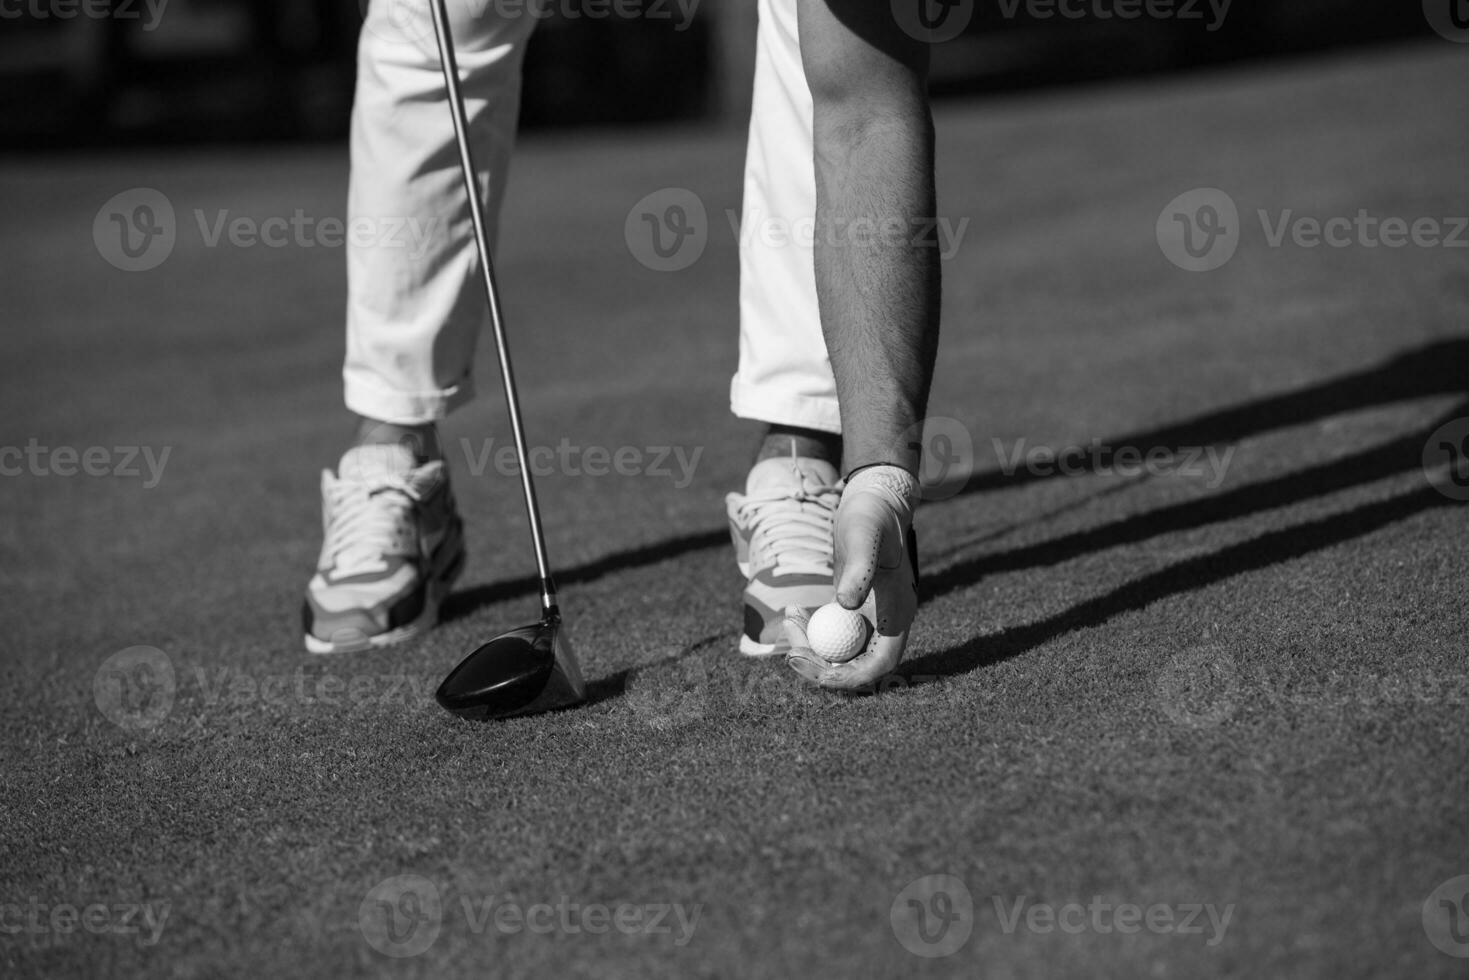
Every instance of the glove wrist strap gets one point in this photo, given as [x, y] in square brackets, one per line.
[895, 480]
[868, 466]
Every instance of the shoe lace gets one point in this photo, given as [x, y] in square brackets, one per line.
[369, 521]
[792, 529]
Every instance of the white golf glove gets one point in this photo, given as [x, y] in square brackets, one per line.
[874, 573]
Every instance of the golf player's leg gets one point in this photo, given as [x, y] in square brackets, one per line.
[413, 310]
[782, 523]
[393, 539]
[784, 376]
[878, 291]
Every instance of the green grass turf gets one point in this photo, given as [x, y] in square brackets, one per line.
[1153, 691]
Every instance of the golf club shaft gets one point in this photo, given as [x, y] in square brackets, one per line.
[450, 65]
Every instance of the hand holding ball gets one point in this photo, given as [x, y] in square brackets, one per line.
[838, 634]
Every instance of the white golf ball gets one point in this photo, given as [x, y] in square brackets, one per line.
[837, 634]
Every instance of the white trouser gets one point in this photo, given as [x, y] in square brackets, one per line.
[415, 309]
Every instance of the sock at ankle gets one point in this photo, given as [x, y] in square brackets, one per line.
[808, 443]
[420, 440]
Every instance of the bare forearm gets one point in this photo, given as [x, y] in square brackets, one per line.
[877, 272]
[878, 285]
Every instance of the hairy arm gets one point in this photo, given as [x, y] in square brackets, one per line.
[877, 282]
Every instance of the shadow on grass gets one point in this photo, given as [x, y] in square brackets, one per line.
[1438, 368]
[467, 601]
[1185, 576]
[1368, 466]
[614, 685]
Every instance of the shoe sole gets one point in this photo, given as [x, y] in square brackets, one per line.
[758, 650]
[437, 590]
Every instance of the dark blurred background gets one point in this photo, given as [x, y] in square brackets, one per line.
[80, 73]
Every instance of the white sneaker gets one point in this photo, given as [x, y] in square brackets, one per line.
[393, 545]
[782, 532]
